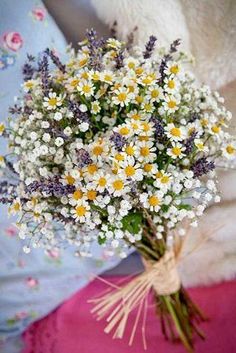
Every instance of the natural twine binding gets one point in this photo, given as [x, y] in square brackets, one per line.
[166, 279]
[162, 276]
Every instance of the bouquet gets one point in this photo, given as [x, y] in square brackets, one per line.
[118, 146]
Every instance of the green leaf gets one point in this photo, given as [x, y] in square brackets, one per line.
[132, 222]
[185, 207]
[101, 240]
[165, 208]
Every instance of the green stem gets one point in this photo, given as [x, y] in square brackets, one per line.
[177, 323]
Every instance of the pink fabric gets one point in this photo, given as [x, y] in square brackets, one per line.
[71, 328]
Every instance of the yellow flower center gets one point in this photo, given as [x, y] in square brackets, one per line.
[215, 129]
[119, 157]
[154, 93]
[108, 78]
[77, 195]
[95, 77]
[16, 206]
[102, 182]
[153, 201]
[80, 211]
[139, 70]
[176, 151]
[131, 65]
[74, 82]
[86, 89]
[52, 102]
[148, 167]
[2, 128]
[139, 99]
[129, 171]
[92, 168]
[144, 151]
[159, 175]
[29, 84]
[1, 158]
[147, 80]
[91, 195]
[165, 179]
[70, 180]
[136, 117]
[97, 150]
[200, 146]
[143, 138]
[175, 131]
[122, 97]
[147, 107]
[124, 130]
[129, 150]
[230, 149]
[171, 104]
[146, 127]
[171, 84]
[83, 62]
[118, 185]
[174, 69]
[85, 75]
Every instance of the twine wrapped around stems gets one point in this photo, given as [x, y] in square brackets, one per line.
[162, 276]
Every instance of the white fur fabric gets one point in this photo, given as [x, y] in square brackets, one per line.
[207, 29]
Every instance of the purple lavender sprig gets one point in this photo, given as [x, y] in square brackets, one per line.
[80, 116]
[50, 187]
[202, 166]
[159, 129]
[28, 69]
[83, 158]
[56, 60]
[149, 47]
[44, 71]
[166, 58]
[189, 143]
[193, 117]
[118, 140]
[95, 46]
[15, 109]
[119, 59]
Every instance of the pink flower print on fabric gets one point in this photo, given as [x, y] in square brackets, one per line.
[12, 41]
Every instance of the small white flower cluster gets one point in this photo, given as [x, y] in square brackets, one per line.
[103, 151]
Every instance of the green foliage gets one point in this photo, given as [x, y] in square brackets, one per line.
[132, 222]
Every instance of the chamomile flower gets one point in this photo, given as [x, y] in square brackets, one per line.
[229, 150]
[173, 68]
[200, 145]
[86, 88]
[100, 181]
[117, 186]
[122, 97]
[163, 180]
[53, 101]
[29, 85]
[154, 93]
[175, 133]
[95, 107]
[81, 212]
[176, 151]
[152, 201]
[107, 76]
[146, 152]
[131, 170]
[171, 104]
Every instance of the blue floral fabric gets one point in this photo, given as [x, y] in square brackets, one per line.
[31, 285]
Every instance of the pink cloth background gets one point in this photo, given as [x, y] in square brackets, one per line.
[72, 329]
